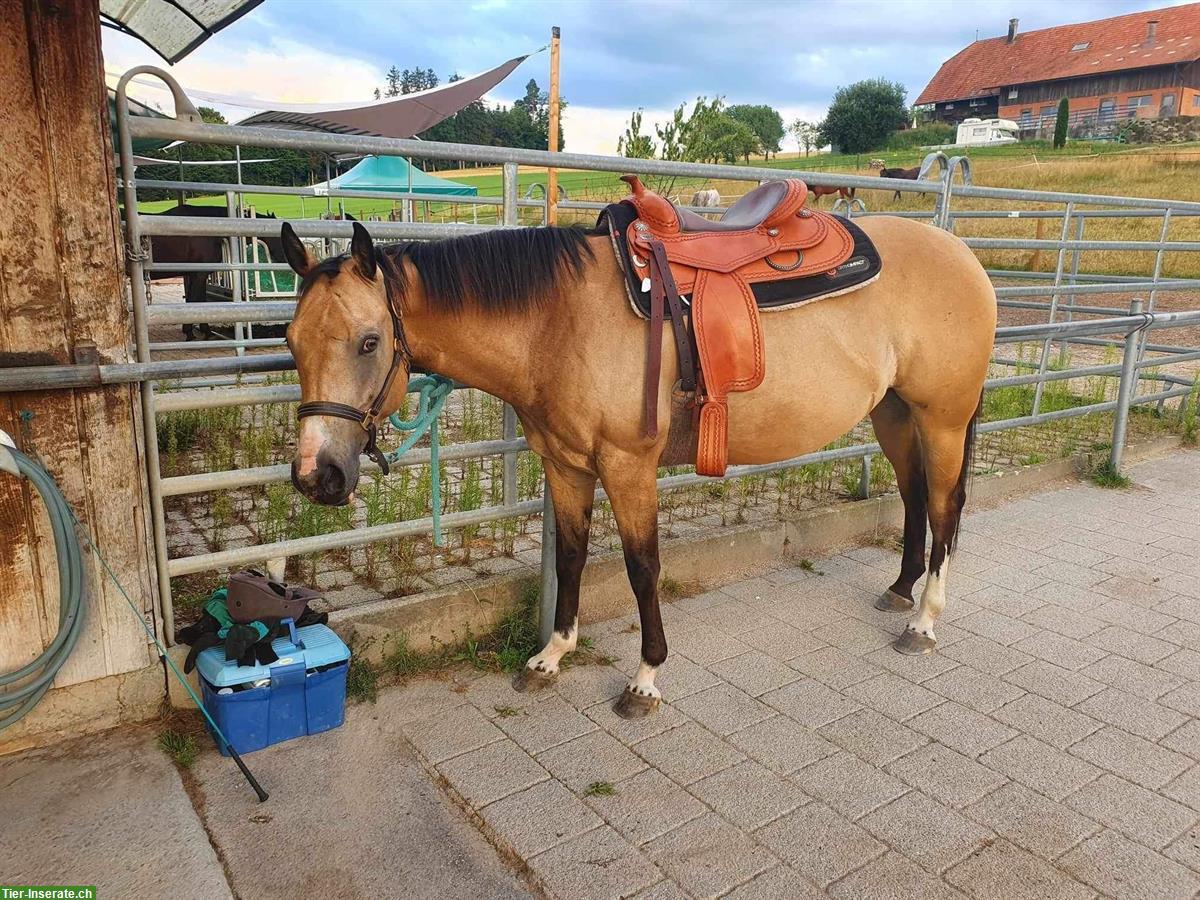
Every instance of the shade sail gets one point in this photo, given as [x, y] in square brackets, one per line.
[173, 28]
[401, 117]
[140, 145]
[392, 174]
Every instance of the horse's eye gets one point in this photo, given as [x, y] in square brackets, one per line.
[369, 345]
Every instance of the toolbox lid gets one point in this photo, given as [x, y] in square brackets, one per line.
[313, 645]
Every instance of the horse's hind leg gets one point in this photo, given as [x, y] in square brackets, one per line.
[946, 452]
[897, 434]
[573, 492]
[630, 484]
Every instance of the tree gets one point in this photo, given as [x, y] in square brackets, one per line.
[805, 133]
[418, 79]
[863, 115]
[724, 139]
[633, 143]
[765, 122]
[211, 116]
[393, 82]
[1060, 123]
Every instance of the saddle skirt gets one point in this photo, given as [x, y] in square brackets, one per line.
[768, 250]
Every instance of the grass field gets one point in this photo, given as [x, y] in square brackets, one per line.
[1096, 168]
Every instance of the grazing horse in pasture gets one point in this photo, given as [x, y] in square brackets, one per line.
[707, 197]
[171, 248]
[540, 318]
[907, 174]
[817, 191]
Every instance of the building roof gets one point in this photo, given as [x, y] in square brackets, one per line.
[1106, 45]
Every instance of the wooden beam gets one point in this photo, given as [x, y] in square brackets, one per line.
[62, 296]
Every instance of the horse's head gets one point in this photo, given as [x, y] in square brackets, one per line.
[348, 345]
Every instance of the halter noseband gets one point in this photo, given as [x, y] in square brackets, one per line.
[401, 353]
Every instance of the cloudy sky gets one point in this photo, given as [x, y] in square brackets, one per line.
[617, 55]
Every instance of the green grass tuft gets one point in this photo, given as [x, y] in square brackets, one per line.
[1108, 477]
[180, 747]
[362, 681]
[599, 789]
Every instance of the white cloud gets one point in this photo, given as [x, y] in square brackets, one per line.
[276, 69]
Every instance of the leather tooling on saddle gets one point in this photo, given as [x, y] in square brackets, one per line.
[768, 251]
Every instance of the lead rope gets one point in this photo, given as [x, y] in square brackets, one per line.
[432, 392]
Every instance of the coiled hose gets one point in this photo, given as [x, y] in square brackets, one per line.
[22, 689]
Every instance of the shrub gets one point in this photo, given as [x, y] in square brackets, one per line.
[1060, 123]
[929, 134]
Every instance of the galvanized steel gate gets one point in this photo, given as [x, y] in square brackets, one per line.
[228, 381]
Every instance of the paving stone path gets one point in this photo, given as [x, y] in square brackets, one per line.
[1050, 748]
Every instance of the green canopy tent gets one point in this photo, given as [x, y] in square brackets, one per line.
[393, 174]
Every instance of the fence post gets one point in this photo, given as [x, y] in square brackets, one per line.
[1125, 391]
[510, 458]
[549, 601]
[509, 194]
[864, 479]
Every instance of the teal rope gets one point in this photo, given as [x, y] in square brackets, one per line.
[432, 392]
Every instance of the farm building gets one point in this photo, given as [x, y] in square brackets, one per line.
[1143, 65]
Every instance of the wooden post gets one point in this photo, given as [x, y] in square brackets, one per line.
[552, 174]
[62, 300]
[1035, 258]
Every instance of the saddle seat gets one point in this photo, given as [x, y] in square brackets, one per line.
[768, 235]
[775, 200]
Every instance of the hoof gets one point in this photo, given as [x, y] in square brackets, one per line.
[634, 706]
[913, 643]
[893, 602]
[528, 680]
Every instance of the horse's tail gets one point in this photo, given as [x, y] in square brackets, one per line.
[964, 474]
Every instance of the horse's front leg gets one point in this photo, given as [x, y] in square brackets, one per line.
[573, 492]
[630, 484]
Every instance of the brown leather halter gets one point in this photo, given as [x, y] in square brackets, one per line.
[401, 354]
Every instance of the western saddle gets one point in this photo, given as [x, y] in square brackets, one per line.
[768, 235]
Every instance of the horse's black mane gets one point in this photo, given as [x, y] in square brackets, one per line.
[507, 270]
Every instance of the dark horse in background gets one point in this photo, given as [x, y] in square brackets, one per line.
[907, 174]
[197, 249]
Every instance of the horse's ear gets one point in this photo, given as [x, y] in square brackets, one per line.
[363, 252]
[298, 256]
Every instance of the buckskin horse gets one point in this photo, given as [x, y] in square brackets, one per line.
[542, 318]
[172, 248]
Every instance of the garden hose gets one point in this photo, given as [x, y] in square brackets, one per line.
[15, 702]
[22, 689]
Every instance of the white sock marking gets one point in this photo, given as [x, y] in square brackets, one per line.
[933, 601]
[559, 646]
[642, 683]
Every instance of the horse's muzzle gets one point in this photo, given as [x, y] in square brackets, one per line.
[330, 483]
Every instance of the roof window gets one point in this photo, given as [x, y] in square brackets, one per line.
[1081, 46]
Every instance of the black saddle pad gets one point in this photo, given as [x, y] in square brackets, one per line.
[863, 265]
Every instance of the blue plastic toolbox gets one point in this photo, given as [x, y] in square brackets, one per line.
[303, 692]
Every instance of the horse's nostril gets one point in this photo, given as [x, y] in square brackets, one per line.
[332, 480]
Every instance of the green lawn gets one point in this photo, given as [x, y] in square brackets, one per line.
[603, 185]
